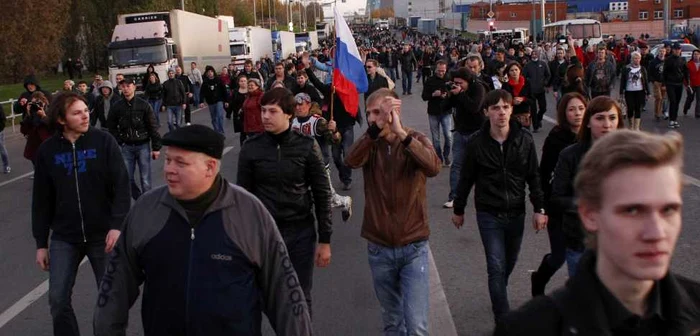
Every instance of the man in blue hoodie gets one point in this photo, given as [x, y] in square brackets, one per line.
[81, 193]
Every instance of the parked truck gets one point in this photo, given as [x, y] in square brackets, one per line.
[249, 43]
[323, 30]
[165, 40]
[283, 44]
[306, 41]
[427, 26]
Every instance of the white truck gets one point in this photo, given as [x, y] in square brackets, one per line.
[165, 40]
[307, 41]
[249, 43]
[283, 44]
[323, 30]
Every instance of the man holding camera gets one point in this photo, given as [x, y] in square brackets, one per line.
[435, 93]
[467, 97]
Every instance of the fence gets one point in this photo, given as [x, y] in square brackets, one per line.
[8, 106]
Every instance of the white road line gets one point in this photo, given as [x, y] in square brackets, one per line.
[17, 178]
[227, 149]
[688, 179]
[27, 301]
[440, 317]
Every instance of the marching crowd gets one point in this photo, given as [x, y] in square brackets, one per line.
[212, 255]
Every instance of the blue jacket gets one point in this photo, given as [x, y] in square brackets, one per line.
[209, 279]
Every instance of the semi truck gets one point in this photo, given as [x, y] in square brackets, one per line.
[249, 43]
[306, 41]
[427, 26]
[323, 30]
[166, 40]
[283, 44]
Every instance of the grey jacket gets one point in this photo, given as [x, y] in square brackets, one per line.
[213, 278]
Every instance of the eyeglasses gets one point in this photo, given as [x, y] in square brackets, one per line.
[369, 67]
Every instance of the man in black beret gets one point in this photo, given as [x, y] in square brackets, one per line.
[214, 257]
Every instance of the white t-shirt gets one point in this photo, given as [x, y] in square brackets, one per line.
[634, 79]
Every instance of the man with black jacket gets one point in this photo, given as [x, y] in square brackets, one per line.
[655, 70]
[408, 65]
[675, 74]
[174, 100]
[629, 191]
[103, 104]
[500, 159]
[536, 72]
[439, 113]
[133, 124]
[213, 92]
[466, 97]
[185, 80]
[345, 121]
[374, 80]
[81, 194]
[557, 71]
[302, 86]
[293, 193]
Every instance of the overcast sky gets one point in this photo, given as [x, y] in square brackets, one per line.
[354, 5]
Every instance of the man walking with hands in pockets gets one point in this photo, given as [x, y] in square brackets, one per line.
[396, 162]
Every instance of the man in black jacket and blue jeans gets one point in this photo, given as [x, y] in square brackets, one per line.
[133, 124]
[81, 193]
[500, 159]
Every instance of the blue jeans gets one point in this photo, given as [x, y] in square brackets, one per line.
[459, 147]
[65, 259]
[339, 151]
[155, 104]
[216, 111]
[392, 73]
[402, 284]
[3, 150]
[572, 258]
[443, 121]
[301, 246]
[195, 94]
[174, 116]
[141, 155]
[406, 81]
[501, 236]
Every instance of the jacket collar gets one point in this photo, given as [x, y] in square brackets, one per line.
[513, 132]
[225, 199]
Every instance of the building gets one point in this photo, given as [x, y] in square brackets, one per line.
[618, 6]
[519, 11]
[427, 9]
[589, 6]
[644, 10]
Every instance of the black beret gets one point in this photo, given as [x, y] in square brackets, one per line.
[196, 138]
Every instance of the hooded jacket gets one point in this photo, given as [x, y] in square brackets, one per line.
[499, 173]
[469, 116]
[103, 105]
[81, 190]
[174, 93]
[213, 90]
[211, 278]
[31, 79]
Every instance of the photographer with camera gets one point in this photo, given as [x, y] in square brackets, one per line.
[467, 97]
[435, 93]
[35, 124]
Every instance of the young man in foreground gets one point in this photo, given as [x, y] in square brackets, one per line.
[629, 188]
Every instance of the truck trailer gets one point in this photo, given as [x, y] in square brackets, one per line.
[283, 44]
[249, 43]
[166, 40]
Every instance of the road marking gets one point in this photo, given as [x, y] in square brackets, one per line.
[227, 149]
[17, 178]
[440, 317]
[27, 301]
[688, 179]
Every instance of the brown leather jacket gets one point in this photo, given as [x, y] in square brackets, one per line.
[396, 211]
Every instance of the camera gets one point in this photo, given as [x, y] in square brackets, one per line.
[449, 86]
[34, 107]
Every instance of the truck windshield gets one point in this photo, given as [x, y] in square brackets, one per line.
[237, 49]
[138, 55]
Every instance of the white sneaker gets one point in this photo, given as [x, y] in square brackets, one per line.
[188, 124]
[8, 170]
[448, 205]
[347, 209]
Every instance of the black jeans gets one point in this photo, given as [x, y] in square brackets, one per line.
[557, 242]
[635, 101]
[540, 100]
[674, 93]
[301, 246]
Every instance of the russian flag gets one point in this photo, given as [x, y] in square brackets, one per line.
[349, 76]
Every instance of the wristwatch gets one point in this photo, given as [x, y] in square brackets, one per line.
[541, 212]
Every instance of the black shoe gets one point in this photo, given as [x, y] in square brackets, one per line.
[347, 186]
[540, 278]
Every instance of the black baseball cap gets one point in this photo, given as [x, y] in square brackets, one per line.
[127, 80]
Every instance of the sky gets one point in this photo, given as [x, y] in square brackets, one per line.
[354, 5]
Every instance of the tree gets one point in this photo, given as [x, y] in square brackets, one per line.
[383, 13]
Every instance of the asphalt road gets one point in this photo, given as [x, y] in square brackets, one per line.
[344, 300]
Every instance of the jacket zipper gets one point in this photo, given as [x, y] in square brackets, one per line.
[393, 198]
[189, 275]
[77, 189]
[505, 177]
[279, 173]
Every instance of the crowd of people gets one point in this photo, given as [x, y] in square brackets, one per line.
[216, 253]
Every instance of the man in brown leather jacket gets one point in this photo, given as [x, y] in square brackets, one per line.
[396, 162]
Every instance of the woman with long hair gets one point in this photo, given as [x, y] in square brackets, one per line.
[603, 115]
[519, 88]
[570, 113]
[35, 125]
[153, 91]
[574, 80]
[149, 70]
[236, 101]
[252, 112]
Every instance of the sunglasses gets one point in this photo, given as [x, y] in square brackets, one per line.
[369, 67]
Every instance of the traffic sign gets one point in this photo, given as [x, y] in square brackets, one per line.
[490, 14]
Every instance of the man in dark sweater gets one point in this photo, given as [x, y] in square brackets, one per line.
[174, 99]
[213, 92]
[374, 80]
[81, 193]
[188, 90]
[439, 114]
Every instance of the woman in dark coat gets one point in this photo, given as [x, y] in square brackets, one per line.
[519, 88]
[35, 125]
[235, 104]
